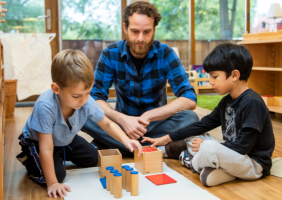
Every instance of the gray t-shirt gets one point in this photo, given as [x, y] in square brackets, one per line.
[47, 118]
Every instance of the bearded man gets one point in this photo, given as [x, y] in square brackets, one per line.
[140, 67]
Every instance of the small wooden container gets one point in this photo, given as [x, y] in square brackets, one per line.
[108, 176]
[134, 183]
[117, 185]
[109, 157]
[149, 162]
[128, 179]
[124, 176]
[112, 180]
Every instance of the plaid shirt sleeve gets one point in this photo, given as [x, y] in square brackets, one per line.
[103, 77]
[177, 77]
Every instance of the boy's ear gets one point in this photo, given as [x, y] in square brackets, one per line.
[55, 88]
[235, 75]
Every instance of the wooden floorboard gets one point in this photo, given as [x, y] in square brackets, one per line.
[17, 186]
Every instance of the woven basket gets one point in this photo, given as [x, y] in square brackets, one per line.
[10, 96]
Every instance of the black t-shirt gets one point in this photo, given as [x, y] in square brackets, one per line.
[137, 62]
[246, 127]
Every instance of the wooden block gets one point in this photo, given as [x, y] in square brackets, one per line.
[149, 162]
[109, 157]
[268, 100]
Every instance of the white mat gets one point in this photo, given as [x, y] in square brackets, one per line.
[85, 184]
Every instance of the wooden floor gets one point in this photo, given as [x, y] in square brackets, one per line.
[17, 186]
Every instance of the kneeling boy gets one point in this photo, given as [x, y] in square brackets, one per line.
[244, 117]
[50, 133]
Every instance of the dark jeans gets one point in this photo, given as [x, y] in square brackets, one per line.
[79, 152]
[154, 129]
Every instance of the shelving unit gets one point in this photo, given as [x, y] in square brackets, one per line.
[2, 119]
[266, 77]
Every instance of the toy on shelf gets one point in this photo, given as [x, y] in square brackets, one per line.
[264, 35]
[109, 157]
[2, 11]
[150, 161]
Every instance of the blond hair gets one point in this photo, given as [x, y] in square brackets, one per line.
[69, 67]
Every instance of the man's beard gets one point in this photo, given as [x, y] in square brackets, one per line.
[139, 50]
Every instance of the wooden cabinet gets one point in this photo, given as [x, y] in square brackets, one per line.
[266, 76]
[2, 119]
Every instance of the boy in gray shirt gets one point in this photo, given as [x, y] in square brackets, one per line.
[50, 134]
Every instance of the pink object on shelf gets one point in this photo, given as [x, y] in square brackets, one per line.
[160, 179]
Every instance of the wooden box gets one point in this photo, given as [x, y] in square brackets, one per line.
[109, 157]
[149, 162]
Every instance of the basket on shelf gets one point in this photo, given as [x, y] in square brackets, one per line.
[10, 96]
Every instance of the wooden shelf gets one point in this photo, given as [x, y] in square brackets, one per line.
[278, 69]
[205, 87]
[203, 79]
[275, 109]
[260, 41]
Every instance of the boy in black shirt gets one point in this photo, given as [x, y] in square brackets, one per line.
[244, 117]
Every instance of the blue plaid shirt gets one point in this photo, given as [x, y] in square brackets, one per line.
[138, 93]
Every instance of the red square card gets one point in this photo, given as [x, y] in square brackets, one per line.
[160, 179]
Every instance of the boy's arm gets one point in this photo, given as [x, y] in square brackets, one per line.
[115, 132]
[207, 123]
[46, 148]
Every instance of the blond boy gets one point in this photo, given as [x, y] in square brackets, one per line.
[50, 134]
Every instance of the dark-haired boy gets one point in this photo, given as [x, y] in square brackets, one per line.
[244, 117]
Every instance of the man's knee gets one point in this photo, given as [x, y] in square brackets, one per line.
[188, 116]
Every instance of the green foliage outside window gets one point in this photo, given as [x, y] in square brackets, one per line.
[102, 19]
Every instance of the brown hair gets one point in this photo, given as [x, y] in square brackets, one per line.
[141, 7]
[69, 67]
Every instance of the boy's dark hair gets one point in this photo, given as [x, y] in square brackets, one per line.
[141, 7]
[228, 57]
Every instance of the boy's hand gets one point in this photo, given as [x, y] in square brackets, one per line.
[59, 188]
[133, 144]
[196, 143]
[157, 141]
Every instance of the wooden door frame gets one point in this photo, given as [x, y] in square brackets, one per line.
[54, 6]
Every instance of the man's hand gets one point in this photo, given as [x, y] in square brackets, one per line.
[133, 144]
[134, 126]
[59, 188]
[157, 141]
[196, 144]
[146, 117]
